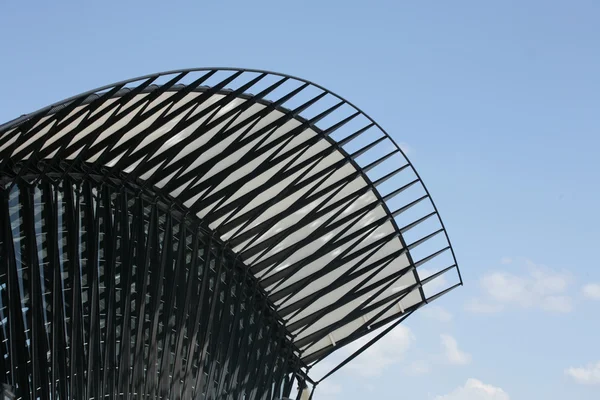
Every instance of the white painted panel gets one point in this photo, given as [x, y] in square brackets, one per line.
[66, 130]
[33, 138]
[141, 126]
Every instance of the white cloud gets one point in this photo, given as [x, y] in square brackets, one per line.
[437, 313]
[327, 387]
[588, 375]
[476, 390]
[453, 354]
[387, 351]
[435, 285]
[539, 287]
[591, 291]
[563, 304]
[328, 390]
[479, 307]
[418, 367]
[406, 148]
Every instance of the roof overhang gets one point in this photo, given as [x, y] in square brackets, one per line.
[318, 201]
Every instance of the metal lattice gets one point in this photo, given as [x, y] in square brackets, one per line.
[316, 204]
[108, 290]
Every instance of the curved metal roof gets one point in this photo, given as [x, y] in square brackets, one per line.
[314, 197]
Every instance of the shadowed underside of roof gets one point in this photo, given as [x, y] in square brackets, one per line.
[311, 194]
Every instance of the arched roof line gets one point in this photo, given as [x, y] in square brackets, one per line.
[349, 157]
[250, 70]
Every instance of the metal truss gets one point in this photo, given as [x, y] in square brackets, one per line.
[112, 293]
[304, 225]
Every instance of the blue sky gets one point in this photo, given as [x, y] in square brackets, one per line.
[497, 103]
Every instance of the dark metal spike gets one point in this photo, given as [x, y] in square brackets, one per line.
[390, 175]
[366, 148]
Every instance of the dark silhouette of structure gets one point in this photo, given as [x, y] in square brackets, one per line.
[175, 236]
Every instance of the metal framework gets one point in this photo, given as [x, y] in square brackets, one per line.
[176, 236]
